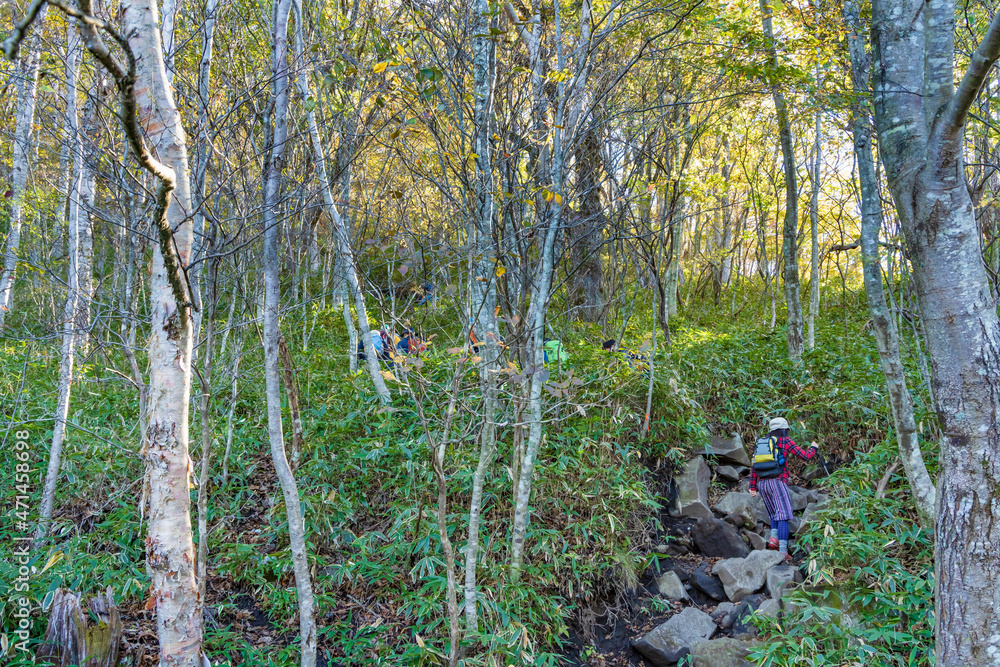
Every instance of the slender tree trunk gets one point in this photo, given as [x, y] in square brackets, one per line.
[341, 236]
[206, 427]
[26, 76]
[69, 311]
[814, 224]
[233, 395]
[272, 336]
[791, 227]
[920, 116]
[483, 284]
[886, 334]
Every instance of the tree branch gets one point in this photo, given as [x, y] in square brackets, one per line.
[979, 66]
[90, 27]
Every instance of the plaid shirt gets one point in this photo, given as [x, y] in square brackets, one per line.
[788, 446]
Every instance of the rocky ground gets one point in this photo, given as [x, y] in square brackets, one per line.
[712, 572]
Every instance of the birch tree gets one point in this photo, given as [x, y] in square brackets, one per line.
[791, 221]
[920, 117]
[272, 334]
[145, 95]
[884, 326]
[340, 232]
[26, 79]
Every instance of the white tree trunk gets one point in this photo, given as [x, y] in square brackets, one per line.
[341, 237]
[169, 545]
[483, 284]
[814, 225]
[791, 227]
[69, 311]
[920, 116]
[26, 77]
[883, 324]
[272, 264]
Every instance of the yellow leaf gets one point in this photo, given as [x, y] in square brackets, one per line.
[399, 49]
[379, 68]
[388, 375]
[500, 271]
[548, 195]
[475, 360]
[420, 642]
[558, 198]
[53, 559]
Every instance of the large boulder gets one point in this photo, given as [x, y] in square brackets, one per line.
[729, 450]
[722, 652]
[692, 490]
[673, 640]
[742, 576]
[702, 580]
[780, 578]
[671, 587]
[718, 539]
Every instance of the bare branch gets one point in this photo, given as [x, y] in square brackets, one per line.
[979, 66]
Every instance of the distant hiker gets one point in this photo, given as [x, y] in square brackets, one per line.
[635, 360]
[382, 349]
[769, 475]
[409, 343]
[554, 351]
[376, 342]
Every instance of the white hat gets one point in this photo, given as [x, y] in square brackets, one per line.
[777, 423]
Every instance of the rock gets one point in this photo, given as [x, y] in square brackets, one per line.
[729, 450]
[673, 640]
[731, 473]
[734, 502]
[816, 496]
[742, 576]
[661, 548]
[799, 500]
[780, 578]
[681, 574]
[808, 516]
[716, 538]
[692, 490]
[723, 610]
[722, 652]
[671, 587]
[756, 541]
[759, 510]
[769, 608]
[707, 584]
[794, 524]
[740, 618]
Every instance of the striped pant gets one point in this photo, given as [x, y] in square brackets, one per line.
[774, 493]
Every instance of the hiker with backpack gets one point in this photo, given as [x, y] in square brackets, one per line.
[769, 477]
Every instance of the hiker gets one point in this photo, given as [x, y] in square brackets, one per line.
[409, 343]
[377, 342]
[633, 359]
[554, 351]
[769, 476]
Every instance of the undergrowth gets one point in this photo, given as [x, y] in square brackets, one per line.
[368, 494]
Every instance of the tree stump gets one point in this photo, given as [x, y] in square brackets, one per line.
[91, 639]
